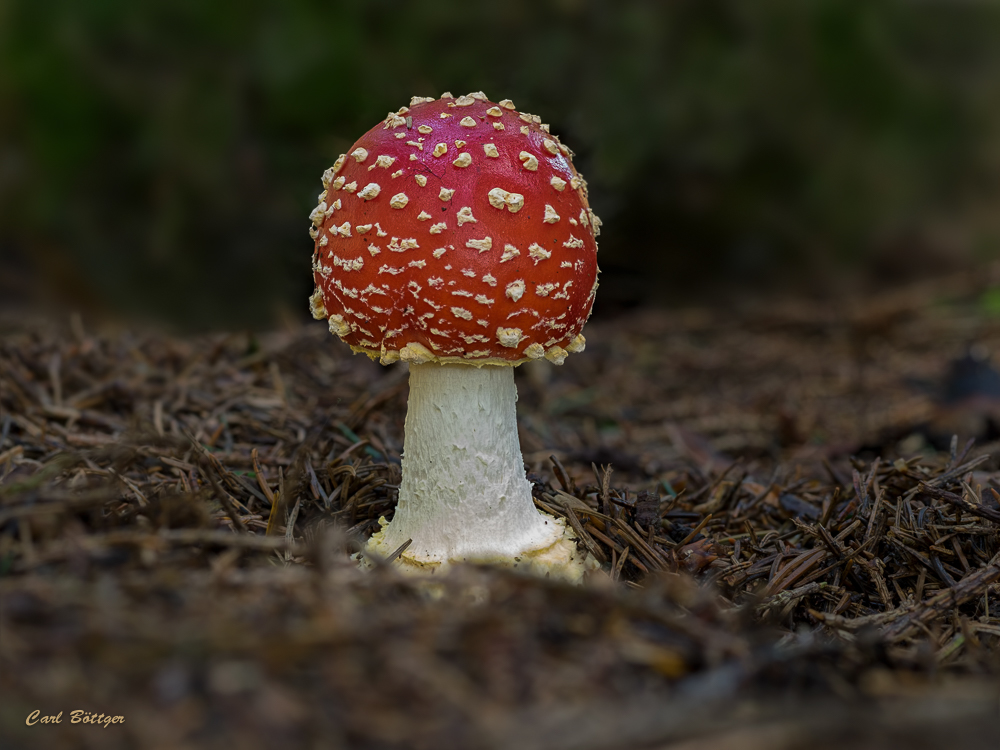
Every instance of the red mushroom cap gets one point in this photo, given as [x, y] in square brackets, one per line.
[457, 230]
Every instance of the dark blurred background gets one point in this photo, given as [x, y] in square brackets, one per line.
[159, 158]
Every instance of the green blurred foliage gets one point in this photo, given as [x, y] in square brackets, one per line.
[989, 302]
[162, 156]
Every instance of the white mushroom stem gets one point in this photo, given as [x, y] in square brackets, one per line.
[464, 495]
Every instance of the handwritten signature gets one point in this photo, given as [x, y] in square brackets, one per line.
[75, 717]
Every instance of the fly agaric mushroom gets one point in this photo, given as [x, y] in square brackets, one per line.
[456, 236]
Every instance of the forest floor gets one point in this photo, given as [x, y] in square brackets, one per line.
[800, 541]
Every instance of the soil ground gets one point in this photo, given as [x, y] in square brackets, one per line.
[800, 541]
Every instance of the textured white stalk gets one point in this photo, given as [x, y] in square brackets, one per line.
[464, 495]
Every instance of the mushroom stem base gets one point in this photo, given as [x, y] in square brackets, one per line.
[562, 559]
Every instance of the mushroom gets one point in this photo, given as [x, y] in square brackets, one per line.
[457, 237]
